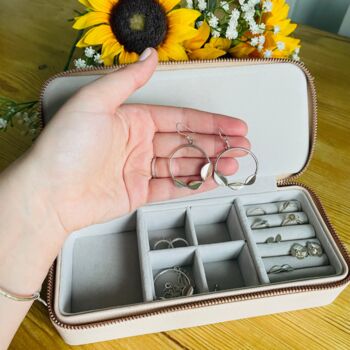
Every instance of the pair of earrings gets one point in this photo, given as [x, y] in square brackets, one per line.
[208, 169]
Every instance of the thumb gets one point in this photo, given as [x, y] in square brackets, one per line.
[114, 88]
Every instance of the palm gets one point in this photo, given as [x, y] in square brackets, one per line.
[97, 154]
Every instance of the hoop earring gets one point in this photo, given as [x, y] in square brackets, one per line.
[221, 179]
[206, 170]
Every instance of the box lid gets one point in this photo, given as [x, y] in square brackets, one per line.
[275, 98]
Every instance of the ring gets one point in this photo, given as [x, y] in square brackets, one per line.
[287, 204]
[260, 223]
[206, 170]
[291, 219]
[256, 211]
[282, 268]
[178, 240]
[160, 242]
[153, 168]
[222, 180]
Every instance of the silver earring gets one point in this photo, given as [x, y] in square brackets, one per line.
[206, 170]
[314, 249]
[289, 205]
[276, 239]
[259, 223]
[291, 219]
[299, 251]
[222, 180]
[282, 268]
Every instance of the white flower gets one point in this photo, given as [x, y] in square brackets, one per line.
[89, 52]
[253, 2]
[254, 41]
[260, 47]
[231, 33]
[254, 28]
[281, 45]
[224, 5]
[241, 2]
[276, 29]
[215, 33]
[262, 26]
[268, 54]
[213, 21]
[245, 7]
[202, 5]
[189, 4]
[98, 59]
[261, 40]
[267, 6]
[297, 50]
[296, 57]
[3, 123]
[234, 15]
[80, 63]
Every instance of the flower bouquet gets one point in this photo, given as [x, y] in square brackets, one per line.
[114, 32]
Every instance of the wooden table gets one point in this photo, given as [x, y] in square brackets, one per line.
[34, 43]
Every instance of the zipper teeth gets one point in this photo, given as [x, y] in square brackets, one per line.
[286, 182]
[217, 301]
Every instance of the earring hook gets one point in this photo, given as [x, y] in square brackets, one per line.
[224, 138]
[187, 135]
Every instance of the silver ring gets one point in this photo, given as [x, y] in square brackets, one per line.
[255, 211]
[222, 180]
[155, 246]
[282, 268]
[291, 219]
[260, 223]
[153, 168]
[287, 204]
[178, 240]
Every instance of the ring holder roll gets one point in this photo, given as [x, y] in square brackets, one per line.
[102, 285]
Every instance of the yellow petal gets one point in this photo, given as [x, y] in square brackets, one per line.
[111, 48]
[168, 4]
[241, 50]
[96, 36]
[206, 53]
[102, 5]
[90, 19]
[162, 56]
[85, 3]
[219, 43]
[126, 57]
[174, 51]
[178, 33]
[182, 17]
[201, 37]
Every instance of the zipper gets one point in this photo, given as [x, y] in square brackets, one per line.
[282, 182]
[198, 63]
[216, 301]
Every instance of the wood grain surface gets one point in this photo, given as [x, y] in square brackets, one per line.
[34, 44]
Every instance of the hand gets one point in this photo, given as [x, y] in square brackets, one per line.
[94, 157]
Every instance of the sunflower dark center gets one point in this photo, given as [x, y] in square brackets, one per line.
[138, 24]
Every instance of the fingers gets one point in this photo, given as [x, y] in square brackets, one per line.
[164, 189]
[164, 145]
[113, 89]
[166, 118]
[192, 166]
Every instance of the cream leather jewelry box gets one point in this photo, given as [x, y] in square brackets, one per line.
[266, 248]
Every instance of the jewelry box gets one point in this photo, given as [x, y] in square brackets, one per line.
[266, 248]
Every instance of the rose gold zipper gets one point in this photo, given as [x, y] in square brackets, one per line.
[283, 182]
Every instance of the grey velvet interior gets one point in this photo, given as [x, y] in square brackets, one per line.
[114, 264]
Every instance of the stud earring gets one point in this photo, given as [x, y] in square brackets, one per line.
[206, 170]
[222, 180]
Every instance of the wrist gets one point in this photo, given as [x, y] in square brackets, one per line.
[30, 232]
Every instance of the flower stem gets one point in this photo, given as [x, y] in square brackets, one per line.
[72, 50]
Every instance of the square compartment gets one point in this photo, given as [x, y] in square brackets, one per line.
[168, 225]
[216, 223]
[228, 266]
[98, 268]
[185, 258]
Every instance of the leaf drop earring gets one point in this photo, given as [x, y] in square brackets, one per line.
[207, 168]
[223, 180]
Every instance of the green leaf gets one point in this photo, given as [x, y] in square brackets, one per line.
[194, 185]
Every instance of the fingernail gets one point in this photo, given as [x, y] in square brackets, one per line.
[145, 54]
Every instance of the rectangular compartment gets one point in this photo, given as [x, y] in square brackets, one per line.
[99, 266]
[228, 266]
[168, 225]
[216, 223]
[187, 259]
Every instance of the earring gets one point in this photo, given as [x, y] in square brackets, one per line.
[222, 180]
[206, 170]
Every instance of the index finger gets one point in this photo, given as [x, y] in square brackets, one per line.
[165, 120]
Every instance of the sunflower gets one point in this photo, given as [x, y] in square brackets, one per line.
[215, 48]
[125, 28]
